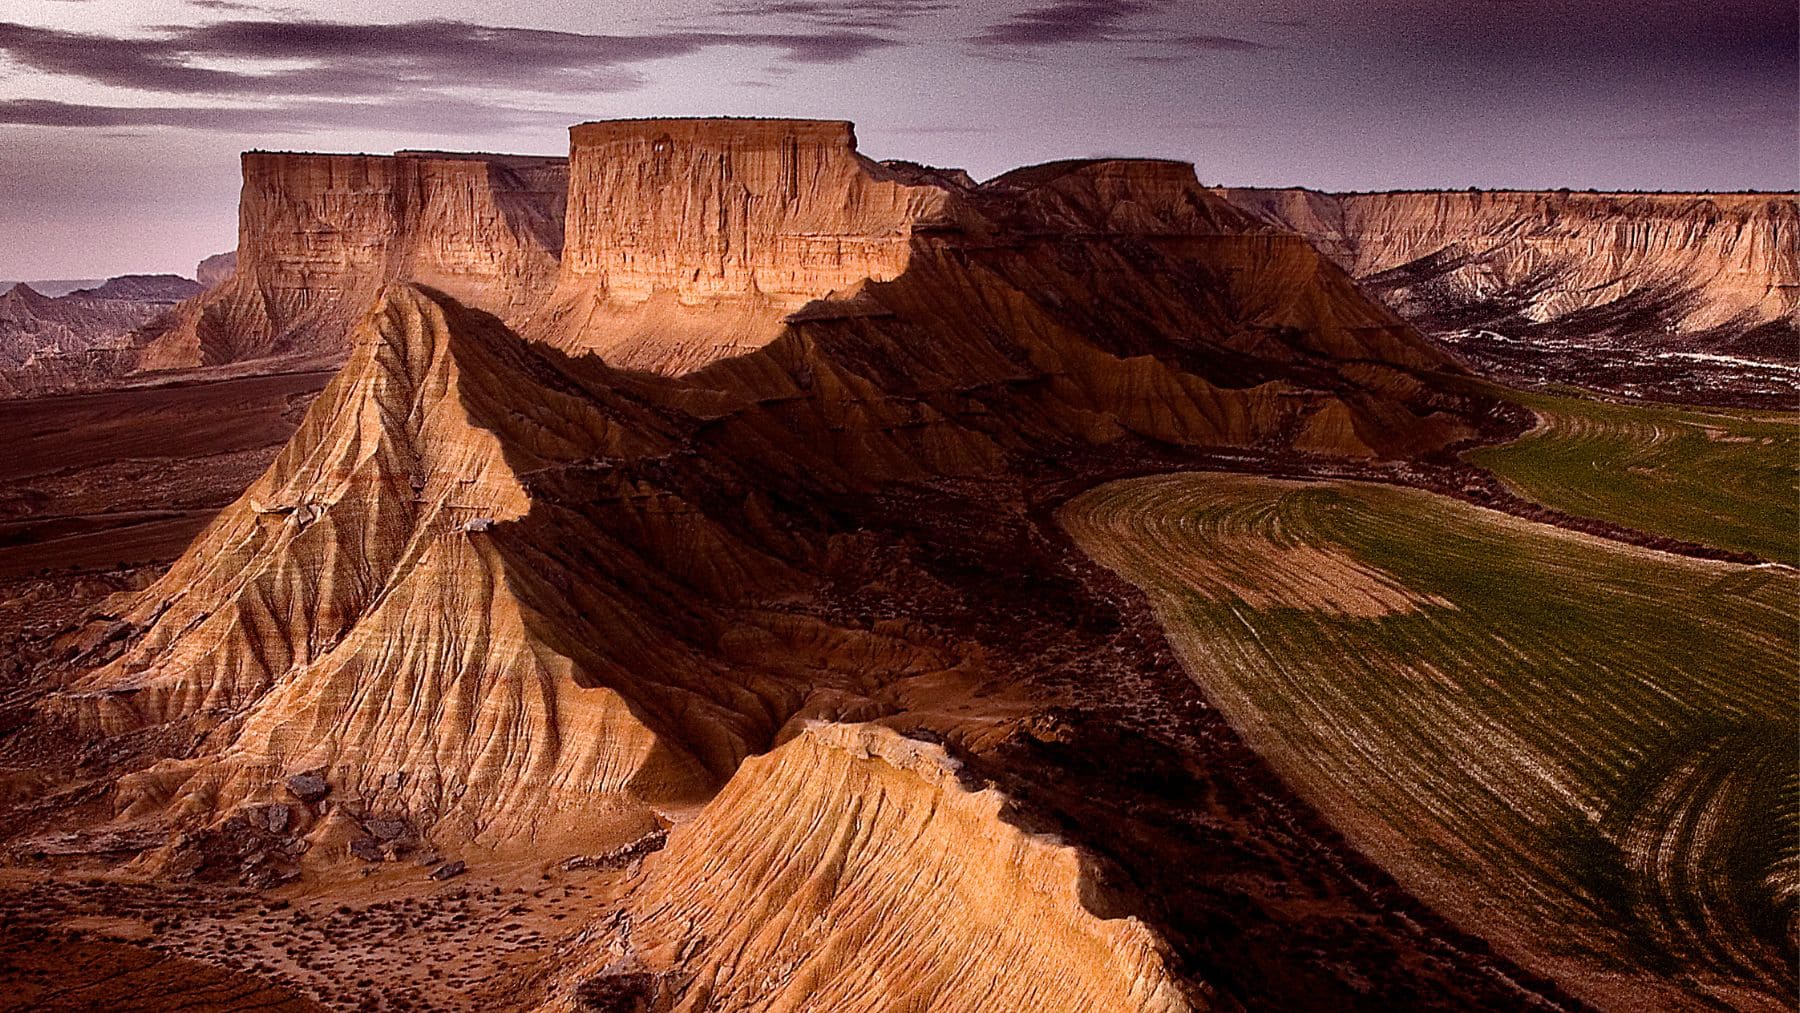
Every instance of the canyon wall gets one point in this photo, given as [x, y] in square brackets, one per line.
[476, 538]
[1686, 297]
[522, 600]
[318, 235]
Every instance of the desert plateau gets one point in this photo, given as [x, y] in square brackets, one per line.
[700, 566]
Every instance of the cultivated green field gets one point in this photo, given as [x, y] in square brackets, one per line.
[1582, 750]
[1716, 476]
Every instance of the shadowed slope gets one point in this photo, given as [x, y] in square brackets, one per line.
[353, 612]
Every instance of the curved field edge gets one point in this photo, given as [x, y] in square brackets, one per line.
[1721, 477]
[1579, 749]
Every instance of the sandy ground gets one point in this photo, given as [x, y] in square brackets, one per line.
[92, 481]
[393, 940]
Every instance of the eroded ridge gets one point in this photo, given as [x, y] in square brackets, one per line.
[356, 614]
[500, 595]
[878, 881]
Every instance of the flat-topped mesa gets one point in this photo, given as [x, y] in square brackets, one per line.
[319, 235]
[320, 219]
[783, 209]
[690, 240]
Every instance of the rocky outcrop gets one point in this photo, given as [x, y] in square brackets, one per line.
[216, 269]
[318, 235]
[690, 240]
[474, 578]
[1688, 263]
[880, 882]
[354, 613]
[1659, 275]
[151, 289]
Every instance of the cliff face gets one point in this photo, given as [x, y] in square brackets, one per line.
[318, 235]
[216, 269]
[711, 208]
[398, 548]
[1657, 274]
[1695, 261]
[688, 240]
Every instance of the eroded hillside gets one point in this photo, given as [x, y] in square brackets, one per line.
[48, 342]
[1694, 296]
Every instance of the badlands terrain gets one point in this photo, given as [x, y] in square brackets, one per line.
[1668, 296]
[719, 571]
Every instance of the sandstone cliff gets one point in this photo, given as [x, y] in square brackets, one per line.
[1687, 275]
[689, 240]
[474, 540]
[1687, 263]
[318, 235]
[216, 269]
[355, 613]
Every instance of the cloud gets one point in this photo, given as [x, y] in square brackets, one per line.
[1080, 22]
[1064, 23]
[1218, 43]
[870, 14]
[258, 57]
[446, 115]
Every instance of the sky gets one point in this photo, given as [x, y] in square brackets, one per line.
[121, 120]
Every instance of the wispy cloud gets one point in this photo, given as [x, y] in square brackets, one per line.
[1086, 22]
[873, 15]
[296, 57]
[446, 114]
[1064, 23]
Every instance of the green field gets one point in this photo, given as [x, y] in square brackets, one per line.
[1583, 751]
[1719, 477]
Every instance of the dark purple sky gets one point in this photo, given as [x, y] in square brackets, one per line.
[120, 120]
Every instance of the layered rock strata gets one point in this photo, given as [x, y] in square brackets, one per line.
[881, 882]
[47, 342]
[1680, 263]
[318, 235]
[473, 540]
[690, 240]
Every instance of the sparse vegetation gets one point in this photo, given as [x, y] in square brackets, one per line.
[1722, 477]
[1585, 747]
